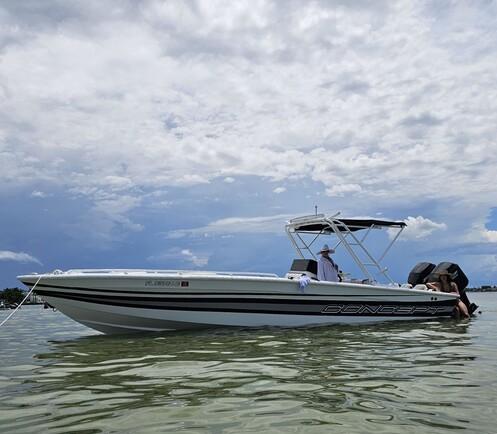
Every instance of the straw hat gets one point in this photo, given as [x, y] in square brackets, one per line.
[446, 273]
[326, 249]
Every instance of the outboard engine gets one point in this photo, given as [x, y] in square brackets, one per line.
[420, 272]
[458, 277]
[454, 270]
[309, 267]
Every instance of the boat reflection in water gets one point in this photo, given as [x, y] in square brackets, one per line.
[397, 374]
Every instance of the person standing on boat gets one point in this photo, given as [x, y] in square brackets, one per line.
[327, 268]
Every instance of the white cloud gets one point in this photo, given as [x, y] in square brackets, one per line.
[480, 234]
[106, 221]
[39, 194]
[138, 95]
[418, 228]
[265, 224]
[163, 204]
[279, 190]
[482, 265]
[7, 255]
[342, 189]
[229, 180]
[490, 235]
[387, 104]
[186, 255]
[117, 183]
[195, 259]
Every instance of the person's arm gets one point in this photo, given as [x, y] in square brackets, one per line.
[454, 288]
[432, 286]
[339, 273]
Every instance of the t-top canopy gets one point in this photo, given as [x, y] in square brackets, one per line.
[318, 223]
[343, 229]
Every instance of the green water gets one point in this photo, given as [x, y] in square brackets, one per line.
[435, 376]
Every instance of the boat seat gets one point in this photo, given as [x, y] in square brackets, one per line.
[307, 267]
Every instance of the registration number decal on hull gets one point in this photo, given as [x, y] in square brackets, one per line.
[168, 283]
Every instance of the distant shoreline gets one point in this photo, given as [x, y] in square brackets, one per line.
[492, 289]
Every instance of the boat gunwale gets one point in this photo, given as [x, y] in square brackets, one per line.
[216, 277]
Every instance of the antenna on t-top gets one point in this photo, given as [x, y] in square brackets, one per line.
[316, 209]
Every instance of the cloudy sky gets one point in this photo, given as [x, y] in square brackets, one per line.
[164, 134]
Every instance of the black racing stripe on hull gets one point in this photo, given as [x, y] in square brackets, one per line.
[177, 298]
[416, 308]
[275, 294]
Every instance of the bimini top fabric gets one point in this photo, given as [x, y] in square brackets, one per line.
[319, 225]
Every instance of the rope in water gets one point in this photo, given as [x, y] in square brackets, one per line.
[20, 304]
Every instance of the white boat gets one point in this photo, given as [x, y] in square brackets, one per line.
[122, 301]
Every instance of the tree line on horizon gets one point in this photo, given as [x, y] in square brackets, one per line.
[12, 295]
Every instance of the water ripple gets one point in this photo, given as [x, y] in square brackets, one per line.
[415, 377]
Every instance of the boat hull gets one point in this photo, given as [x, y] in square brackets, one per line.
[123, 303]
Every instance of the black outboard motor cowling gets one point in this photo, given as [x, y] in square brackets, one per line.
[458, 275]
[420, 272]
